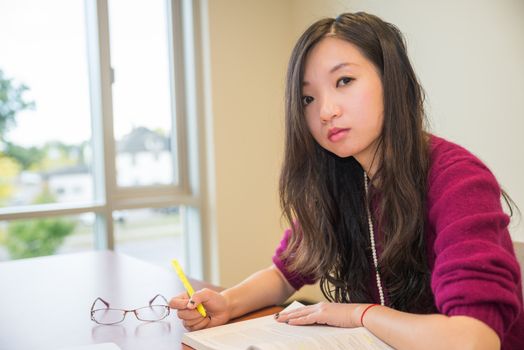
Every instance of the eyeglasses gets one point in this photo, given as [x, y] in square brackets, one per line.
[151, 313]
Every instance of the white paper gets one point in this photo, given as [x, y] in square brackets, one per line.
[265, 333]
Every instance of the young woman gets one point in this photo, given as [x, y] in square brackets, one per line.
[404, 230]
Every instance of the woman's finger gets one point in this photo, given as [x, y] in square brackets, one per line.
[197, 324]
[187, 314]
[303, 320]
[179, 302]
[284, 317]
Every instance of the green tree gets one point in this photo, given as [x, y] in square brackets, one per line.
[26, 157]
[12, 101]
[37, 237]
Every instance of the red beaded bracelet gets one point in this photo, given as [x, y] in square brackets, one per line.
[364, 312]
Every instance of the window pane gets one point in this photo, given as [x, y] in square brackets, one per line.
[46, 236]
[141, 92]
[45, 130]
[154, 235]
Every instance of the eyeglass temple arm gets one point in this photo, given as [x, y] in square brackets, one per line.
[156, 296]
[102, 300]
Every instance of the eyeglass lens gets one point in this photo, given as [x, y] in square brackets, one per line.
[147, 313]
[108, 316]
[151, 313]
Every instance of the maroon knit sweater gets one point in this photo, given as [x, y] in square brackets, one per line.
[473, 267]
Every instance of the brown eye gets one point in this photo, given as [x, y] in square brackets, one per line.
[344, 81]
[307, 100]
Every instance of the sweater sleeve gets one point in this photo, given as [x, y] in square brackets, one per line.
[476, 273]
[296, 280]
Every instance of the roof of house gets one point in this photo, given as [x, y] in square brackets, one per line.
[142, 139]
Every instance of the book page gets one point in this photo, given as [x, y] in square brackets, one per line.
[265, 333]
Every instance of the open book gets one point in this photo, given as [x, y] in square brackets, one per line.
[265, 333]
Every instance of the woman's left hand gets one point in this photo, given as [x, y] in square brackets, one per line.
[332, 314]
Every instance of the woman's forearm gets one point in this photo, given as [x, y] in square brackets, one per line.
[403, 330]
[263, 288]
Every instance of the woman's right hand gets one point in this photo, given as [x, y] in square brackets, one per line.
[216, 305]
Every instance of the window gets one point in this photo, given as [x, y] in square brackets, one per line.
[44, 53]
[166, 239]
[142, 106]
[97, 127]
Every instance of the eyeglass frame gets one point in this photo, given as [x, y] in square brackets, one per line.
[125, 311]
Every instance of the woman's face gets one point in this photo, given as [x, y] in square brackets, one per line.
[343, 100]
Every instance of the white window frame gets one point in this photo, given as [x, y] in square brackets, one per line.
[187, 130]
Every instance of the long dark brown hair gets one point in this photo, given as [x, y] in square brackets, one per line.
[323, 196]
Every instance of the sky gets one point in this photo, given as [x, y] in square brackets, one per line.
[43, 45]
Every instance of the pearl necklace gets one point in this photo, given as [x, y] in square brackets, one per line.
[373, 249]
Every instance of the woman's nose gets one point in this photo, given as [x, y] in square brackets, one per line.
[329, 111]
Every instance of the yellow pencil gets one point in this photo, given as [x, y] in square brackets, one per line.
[187, 285]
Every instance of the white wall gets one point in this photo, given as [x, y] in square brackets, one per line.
[468, 55]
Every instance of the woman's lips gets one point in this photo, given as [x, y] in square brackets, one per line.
[336, 134]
